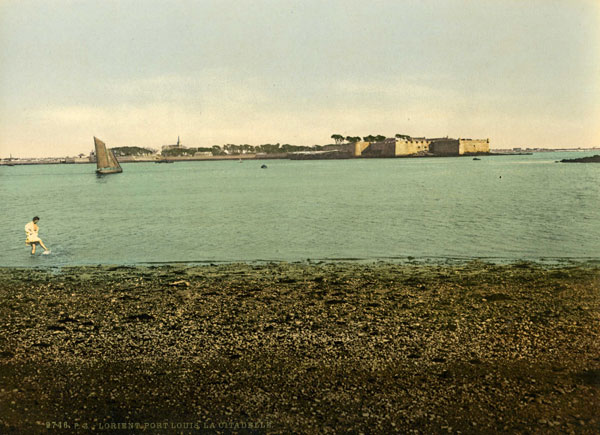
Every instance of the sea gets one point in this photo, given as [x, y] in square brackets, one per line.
[504, 208]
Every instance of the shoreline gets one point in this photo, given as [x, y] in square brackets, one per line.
[312, 348]
[156, 158]
[244, 157]
[545, 264]
[405, 261]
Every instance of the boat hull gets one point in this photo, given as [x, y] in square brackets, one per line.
[103, 171]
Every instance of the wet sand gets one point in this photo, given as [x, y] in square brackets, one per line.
[303, 348]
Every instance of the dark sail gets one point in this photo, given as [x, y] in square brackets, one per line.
[106, 162]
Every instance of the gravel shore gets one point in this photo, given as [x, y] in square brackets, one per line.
[301, 348]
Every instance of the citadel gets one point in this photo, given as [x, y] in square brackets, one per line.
[420, 146]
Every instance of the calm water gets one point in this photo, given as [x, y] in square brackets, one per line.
[499, 208]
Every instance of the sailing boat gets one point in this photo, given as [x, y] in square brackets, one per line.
[106, 162]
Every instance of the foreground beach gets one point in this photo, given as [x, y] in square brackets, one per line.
[305, 348]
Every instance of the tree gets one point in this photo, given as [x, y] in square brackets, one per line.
[269, 148]
[402, 136]
[353, 139]
[217, 151]
[369, 138]
[379, 138]
[338, 138]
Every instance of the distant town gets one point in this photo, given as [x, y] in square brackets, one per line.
[344, 148]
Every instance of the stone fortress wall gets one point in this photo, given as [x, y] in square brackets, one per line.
[471, 146]
[405, 147]
[393, 147]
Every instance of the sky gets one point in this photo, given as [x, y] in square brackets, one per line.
[523, 73]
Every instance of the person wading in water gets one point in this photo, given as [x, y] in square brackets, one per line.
[31, 229]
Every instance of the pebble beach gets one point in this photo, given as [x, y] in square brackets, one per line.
[301, 348]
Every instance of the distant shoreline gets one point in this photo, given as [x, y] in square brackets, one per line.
[279, 156]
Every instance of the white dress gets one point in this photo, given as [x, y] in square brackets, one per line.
[32, 233]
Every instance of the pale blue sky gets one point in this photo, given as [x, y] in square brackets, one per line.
[520, 72]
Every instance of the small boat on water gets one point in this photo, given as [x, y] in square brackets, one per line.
[106, 162]
[163, 161]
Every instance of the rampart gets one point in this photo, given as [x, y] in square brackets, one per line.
[445, 147]
[392, 148]
[359, 147]
[458, 147]
[409, 147]
[473, 146]
[386, 148]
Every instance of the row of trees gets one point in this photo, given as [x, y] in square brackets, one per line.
[259, 149]
[232, 149]
[339, 139]
[132, 151]
[216, 150]
[182, 152]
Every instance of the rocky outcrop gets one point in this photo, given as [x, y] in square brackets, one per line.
[592, 159]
